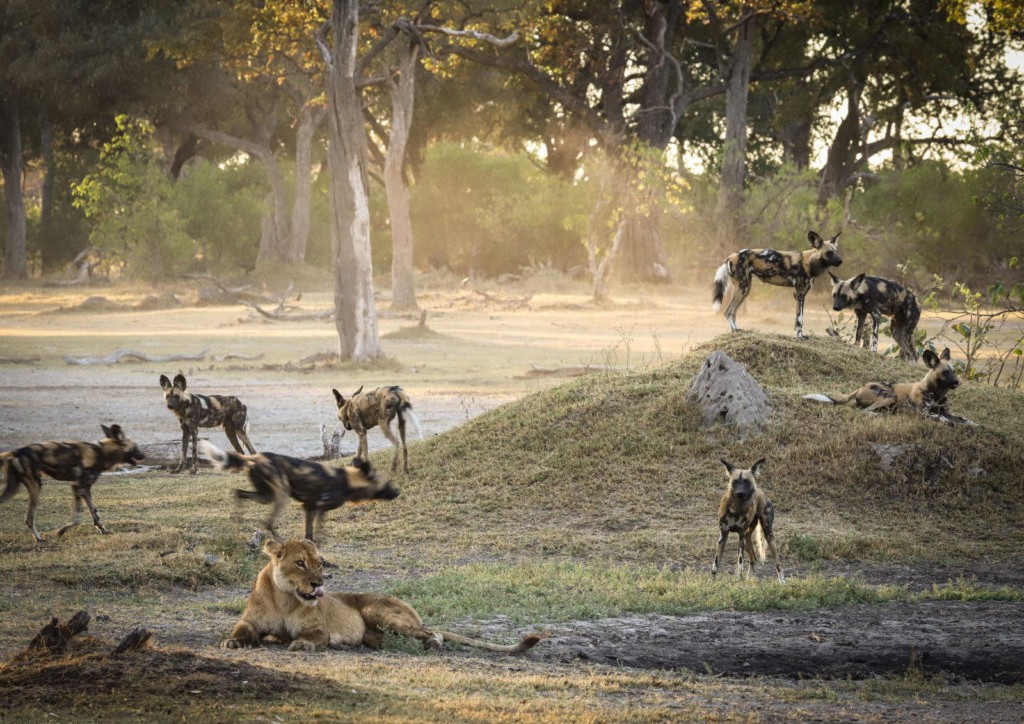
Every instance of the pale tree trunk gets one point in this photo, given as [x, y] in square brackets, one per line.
[601, 268]
[355, 311]
[309, 120]
[736, 74]
[642, 248]
[13, 162]
[403, 283]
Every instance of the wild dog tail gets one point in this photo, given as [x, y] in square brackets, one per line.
[760, 547]
[722, 279]
[12, 484]
[525, 644]
[222, 459]
[822, 398]
[402, 406]
[407, 412]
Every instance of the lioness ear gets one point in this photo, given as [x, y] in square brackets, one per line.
[273, 549]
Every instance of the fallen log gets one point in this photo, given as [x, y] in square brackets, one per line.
[115, 357]
[571, 370]
[54, 636]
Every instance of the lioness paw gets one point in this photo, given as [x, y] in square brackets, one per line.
[302, 645]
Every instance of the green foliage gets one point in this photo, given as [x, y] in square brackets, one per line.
[488, 213]
[129, 199]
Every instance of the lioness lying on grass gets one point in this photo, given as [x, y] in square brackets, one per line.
[288, 603]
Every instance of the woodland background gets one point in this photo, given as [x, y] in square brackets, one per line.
[638, 140]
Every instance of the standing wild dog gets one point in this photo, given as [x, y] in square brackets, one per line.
[928, 396]
[318, 487]
[877, 296]
[195, 411]
[746, 511]
[379, 407]
[79, 463]
[797, 269]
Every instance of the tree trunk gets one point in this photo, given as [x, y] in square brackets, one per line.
[47, 243]
[403, 283]
[842, 151]
[734, 152]
[13, 162]
[643, 250]
[275, 247]
[309, 120]
[355, 311]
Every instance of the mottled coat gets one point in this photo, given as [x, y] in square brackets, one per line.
[745, 510]
[877, 296]
[79, 463]
[929, 395]
[320, 488]
[377, 408]
[797, 269]
[195, 411]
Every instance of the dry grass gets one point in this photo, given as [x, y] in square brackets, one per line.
[603, 489]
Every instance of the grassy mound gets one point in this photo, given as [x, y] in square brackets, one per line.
[616, 467]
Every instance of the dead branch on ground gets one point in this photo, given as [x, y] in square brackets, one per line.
[115, 357]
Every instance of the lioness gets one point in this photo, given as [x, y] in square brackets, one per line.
[288, 603]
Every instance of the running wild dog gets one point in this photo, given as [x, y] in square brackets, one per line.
[79, 463]
[928, 396]
[878, 296]
[746, 511]
[195, 411]
[364, 410]
[318, 487]
[797, 269]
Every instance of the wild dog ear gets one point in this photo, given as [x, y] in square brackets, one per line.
[930, 358]
[179, 381]
[107, 432]
[114, 431]
[362, 465]
[728, 466]
[755, 469]
[945, 354]
[815, 239]
[835, 279]
[165, 384]
[338, 397]
[857, 281]
[273, 549]
[358, 391]
[834, 241]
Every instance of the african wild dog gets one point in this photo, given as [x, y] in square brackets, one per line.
[877, 296]
[79, 463]
[928, 396]
[797, 269]
[746, 511]
[318, 487]
[195, 411]
[362, 411]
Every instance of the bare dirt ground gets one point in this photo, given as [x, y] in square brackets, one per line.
[479, 359]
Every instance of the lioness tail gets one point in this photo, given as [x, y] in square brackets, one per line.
[527, 643]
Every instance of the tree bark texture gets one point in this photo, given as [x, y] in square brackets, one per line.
[842, 153]
[403, 284]
[355, 310]
[13, 162]
[302, 202]
[736, 74]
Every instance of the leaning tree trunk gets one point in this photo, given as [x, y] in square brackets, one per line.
[842, 152]
[355, 312]
[15, 256]
[403, 284]
[734, 152]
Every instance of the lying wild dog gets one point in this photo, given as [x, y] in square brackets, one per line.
[746, 511]
[195, 411]
[288, 604]
[318, 487]
[928, 396]
[878, 296]
[362, 411]
[797, 269]
[79, 463]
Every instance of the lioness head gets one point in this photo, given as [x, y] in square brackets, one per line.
[297, 569]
